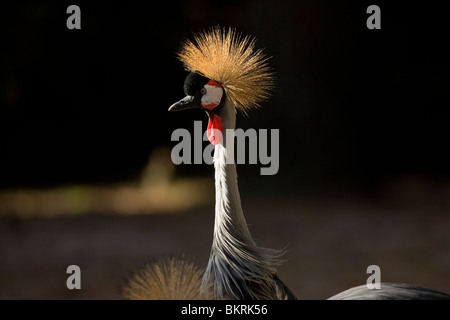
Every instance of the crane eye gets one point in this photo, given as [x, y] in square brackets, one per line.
[203, 90]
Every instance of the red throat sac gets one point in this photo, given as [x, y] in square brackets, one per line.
[215, 129]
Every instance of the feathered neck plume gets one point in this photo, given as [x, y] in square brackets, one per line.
[230, 59]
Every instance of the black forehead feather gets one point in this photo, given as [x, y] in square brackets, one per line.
[194, 82]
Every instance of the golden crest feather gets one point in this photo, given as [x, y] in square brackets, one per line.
[168, 279]
[231, 60]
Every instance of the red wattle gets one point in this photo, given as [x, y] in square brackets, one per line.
[215, 129]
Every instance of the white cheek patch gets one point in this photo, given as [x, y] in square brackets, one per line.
[212, 97]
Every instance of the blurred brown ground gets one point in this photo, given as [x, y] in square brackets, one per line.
[329, 246]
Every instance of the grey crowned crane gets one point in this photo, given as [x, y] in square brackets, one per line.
[227, 75]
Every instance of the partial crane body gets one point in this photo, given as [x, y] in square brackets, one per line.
[226, 75]
[390, 291]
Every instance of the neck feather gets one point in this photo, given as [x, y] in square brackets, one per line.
[229, 214]
[237, 267]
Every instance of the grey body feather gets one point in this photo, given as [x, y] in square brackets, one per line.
[390, 291]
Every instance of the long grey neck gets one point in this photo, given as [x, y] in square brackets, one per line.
[229, 215]
[237, 268]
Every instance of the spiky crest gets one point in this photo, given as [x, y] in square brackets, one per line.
[230, 59]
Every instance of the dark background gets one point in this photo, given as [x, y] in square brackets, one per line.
[362, 113]
[354, 106]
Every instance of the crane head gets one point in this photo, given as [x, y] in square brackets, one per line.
[223, 66]
[206, 94]
[232, 61]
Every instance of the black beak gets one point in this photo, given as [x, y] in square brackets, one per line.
[187, 102]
